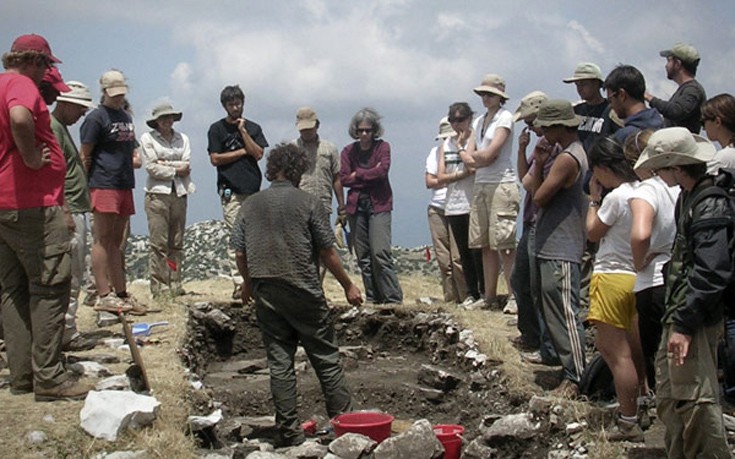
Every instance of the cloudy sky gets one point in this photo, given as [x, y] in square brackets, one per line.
[409, 59]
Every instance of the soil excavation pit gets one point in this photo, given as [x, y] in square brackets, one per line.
[409, 364]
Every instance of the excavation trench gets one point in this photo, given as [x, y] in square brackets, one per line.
[409, 364]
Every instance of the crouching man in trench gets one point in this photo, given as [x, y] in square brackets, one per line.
[278, 255]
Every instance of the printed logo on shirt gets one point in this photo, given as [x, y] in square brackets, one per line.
[233, 141]
[591, 124]
[122, 132]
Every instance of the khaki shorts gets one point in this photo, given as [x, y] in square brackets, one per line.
[612, 300]
[493, 216]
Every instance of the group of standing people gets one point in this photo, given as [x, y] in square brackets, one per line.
[52, 188]
[618, 217]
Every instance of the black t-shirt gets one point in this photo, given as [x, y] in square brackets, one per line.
[242, 176]
[596, 122]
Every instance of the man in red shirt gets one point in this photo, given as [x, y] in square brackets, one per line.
[34, 240]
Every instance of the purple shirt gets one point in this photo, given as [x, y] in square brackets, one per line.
[371, 180]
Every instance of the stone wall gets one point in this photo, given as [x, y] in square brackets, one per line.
[205, 249]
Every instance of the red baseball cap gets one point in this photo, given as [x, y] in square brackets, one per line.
[33, 42]
[54, 79]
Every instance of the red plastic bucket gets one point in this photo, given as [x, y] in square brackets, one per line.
[450, 436]
[374, 425]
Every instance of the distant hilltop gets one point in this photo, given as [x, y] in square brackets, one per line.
[205, 251]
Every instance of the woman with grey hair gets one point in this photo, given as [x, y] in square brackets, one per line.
[364, 170]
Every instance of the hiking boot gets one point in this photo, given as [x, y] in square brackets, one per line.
[78, 343]
[567, 389]
[625, 431]
[111, 303]
[71, 389]
[136, 307]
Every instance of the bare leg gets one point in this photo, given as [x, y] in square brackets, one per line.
[106, 254]
[636, 350]
[491, 268]
[612, 343]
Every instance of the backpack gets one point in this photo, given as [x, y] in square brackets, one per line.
[596, 381]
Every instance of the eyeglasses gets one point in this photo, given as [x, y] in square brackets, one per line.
[610, 95]
[364, 130]
[458, 119]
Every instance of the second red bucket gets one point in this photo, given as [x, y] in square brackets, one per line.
[450, 436]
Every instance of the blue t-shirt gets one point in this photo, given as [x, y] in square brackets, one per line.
[113, 135]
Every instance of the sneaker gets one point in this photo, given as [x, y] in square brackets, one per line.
[625, 431]
[111, 303]
[136, 307]
[510, 306]
[480, 304]
[78, 343]
[567, 389]
[468, 302]
[237, 293]
[71, 389]
[522, 344]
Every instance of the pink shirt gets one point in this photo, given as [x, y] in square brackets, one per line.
[20, 186]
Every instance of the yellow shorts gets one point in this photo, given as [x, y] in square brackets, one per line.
[493, 216]
[612, 300]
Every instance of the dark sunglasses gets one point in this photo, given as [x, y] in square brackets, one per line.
[458, 119]
[364, 131]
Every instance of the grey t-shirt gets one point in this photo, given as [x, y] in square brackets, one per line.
[560, 228]
[283, 240]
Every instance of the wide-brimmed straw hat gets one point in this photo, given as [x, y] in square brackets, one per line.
[675, 146]
[162, 109]
[494, 84]
[529, 105]
[556, 112]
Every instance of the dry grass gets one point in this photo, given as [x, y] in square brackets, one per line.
[167, 438]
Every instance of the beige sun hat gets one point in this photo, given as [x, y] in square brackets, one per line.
[306, 118]
[683, 52]
[556, 112]
[113, 83]
[674, 146]
[162, 109]
[585, 71]
[445, 129]
[529, 105]
[78, 94]
[494, 84]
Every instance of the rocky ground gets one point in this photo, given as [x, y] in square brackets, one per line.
[421, 360]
